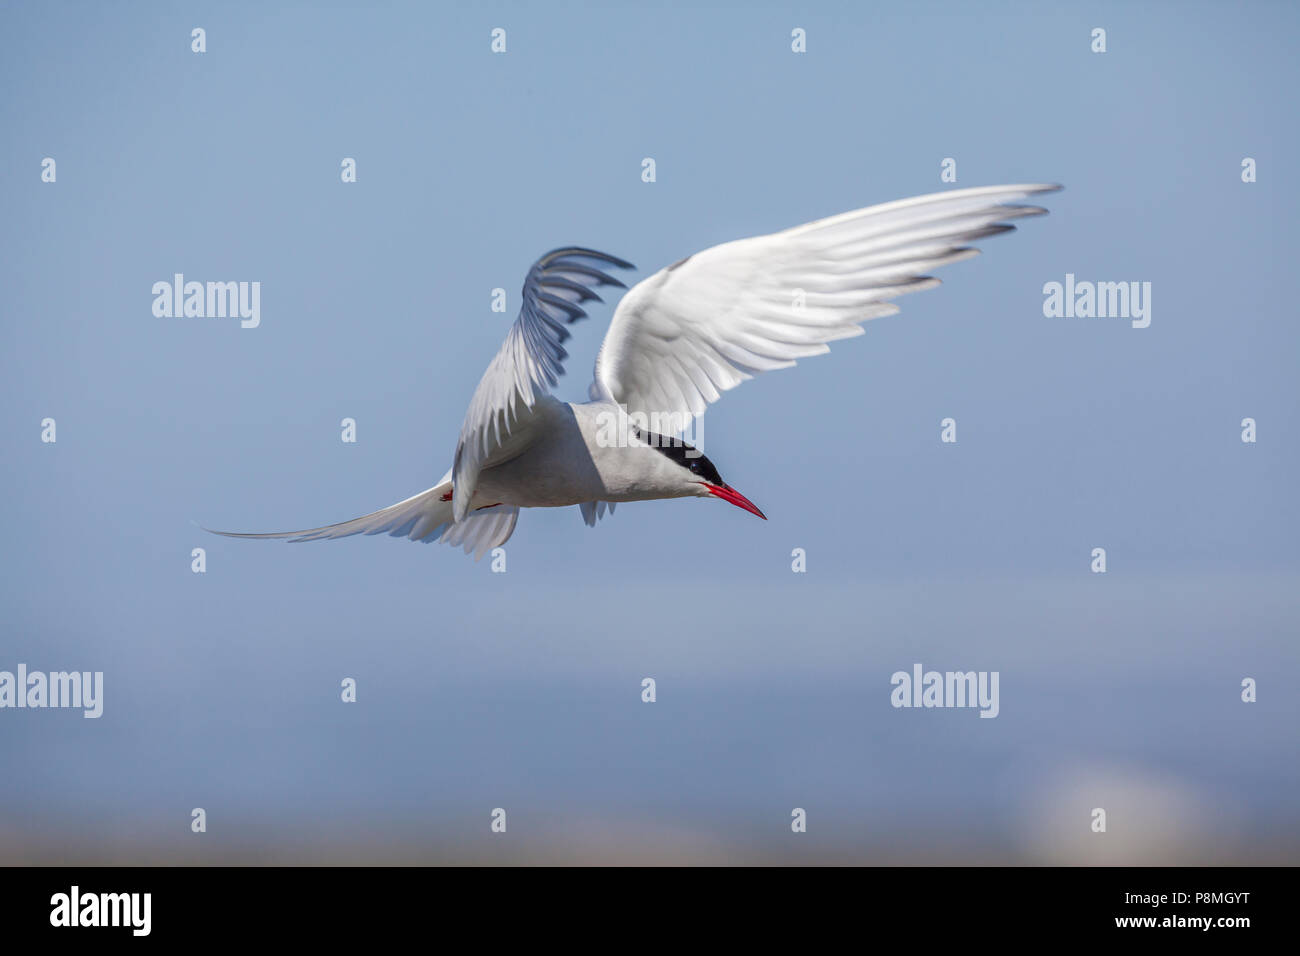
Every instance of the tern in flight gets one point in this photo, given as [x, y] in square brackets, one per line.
[678, 340]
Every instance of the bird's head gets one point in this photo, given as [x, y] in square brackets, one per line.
[694, 474]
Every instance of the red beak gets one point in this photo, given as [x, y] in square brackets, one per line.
[728, 493]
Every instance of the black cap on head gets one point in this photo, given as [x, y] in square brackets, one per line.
[688, 456]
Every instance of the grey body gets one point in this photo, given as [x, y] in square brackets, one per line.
[576, 454]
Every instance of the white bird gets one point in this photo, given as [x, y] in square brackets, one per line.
[678, 340]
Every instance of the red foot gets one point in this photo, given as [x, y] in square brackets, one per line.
[447, 497]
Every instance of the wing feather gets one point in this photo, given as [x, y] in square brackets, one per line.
[529, 362]
[700, 327]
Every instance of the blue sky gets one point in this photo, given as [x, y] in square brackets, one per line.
[522, 690]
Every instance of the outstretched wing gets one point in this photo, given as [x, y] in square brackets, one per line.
[529, 362]
[686, 334]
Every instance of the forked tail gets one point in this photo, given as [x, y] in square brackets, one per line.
[424, 517]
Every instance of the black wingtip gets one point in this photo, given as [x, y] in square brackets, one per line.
[583, 252]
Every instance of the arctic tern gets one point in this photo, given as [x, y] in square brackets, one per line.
[677, 341]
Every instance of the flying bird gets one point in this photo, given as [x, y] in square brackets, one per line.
[677, 341]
